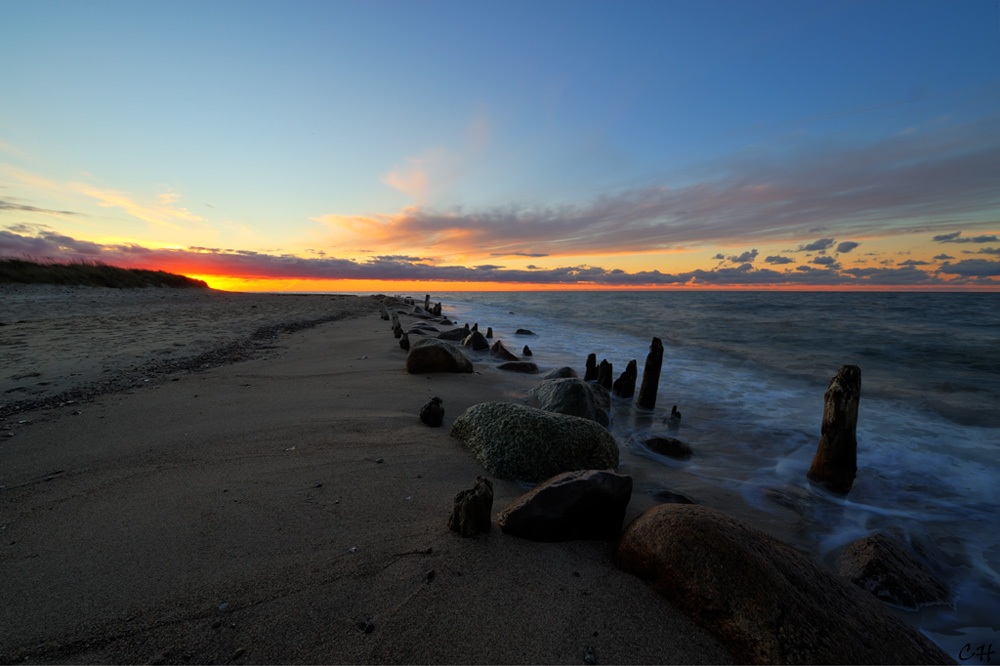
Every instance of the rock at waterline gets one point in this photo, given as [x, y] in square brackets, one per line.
[472, 511]
[559, 373]
[624, 386]
[574, 397]
[884, 565]
[524, 367]
[674, 420]
[765, 600]
[501, 352]
[668, 446]
[434, 355]
[454, 335]
[651, 376]
[836, 461]
[523, 443]
[476, 341]
[585, 504]
[526, 351]
[432, 413]
[523, 331]
[489, 331]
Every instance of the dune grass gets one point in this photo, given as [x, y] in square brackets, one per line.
[90, 274]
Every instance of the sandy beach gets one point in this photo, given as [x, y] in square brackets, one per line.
[223, 490]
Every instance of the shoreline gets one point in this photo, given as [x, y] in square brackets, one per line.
[290, 507]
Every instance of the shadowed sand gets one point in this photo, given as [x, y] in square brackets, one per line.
[285, 508]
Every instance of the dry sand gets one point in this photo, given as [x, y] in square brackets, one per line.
[285, 508]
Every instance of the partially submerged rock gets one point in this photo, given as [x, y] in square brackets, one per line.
[767, 601]
[884, 565]
[472, 511]
[524, 443]
[501, 352]
[476, 341]
[434, 355]
[573, 396]
[586, 504]
[668, 446]
[454, 335]
[524, 367]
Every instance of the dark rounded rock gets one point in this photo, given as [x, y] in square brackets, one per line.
[765, 600]
[523, 331]
[525, 367]
[668, 446]
[559, 373]
[526, 351]
[884, 565]
[432, 413]
[476, 341]
[454, 335]
[501, 352]
[573, 396]
[585, 504]
[433, 355]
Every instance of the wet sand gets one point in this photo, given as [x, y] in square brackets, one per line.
[216, 496]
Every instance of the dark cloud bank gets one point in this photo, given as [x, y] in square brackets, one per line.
[45, 244]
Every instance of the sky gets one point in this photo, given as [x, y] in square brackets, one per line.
[390, 146]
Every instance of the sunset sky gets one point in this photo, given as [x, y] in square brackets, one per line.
[387, 146]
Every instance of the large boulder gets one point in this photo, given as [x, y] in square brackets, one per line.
[559, 373]
[884, 565]
[573, 396]
[433, 355]
[454, 335]
[524, 367]
[670, 447]
[767, 601]
[586, 504]
[528, 444]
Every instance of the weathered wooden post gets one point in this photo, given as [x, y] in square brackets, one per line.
[591, 373]
[624, 386]
[651, 375]
[605, 374]
[836, 461]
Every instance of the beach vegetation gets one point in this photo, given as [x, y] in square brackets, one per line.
[90, 274]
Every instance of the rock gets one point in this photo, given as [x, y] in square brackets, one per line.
[454, 335]
[473, 509]
[624, 386]
[668, 446]
[501, 352]
[404, 342]
[559, 373]
[836, 461]
[433, 355]
[884, 565]
[605, 372]
[525, 367]
[585, 504]
[432, 413]
[436, 311]
[475, 327]
[523, 331]
[651, 376]
[519, 442]
[476, 342]
[526, 351]
[574, 397]
[489, 331]
[674, 420]
[591, 373]
[768, 602]
[667, 496]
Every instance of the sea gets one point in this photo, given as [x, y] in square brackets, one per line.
[748, 370]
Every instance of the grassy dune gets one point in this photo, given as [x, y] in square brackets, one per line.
[90, 274]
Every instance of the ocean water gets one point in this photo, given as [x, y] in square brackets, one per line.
[748, 371]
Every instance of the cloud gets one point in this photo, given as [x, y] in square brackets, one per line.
[846, 247]
[990, 250]
[943, 257]
[48, 244]
[913, 262]
[162, 213]
[745, 258]
[778, 260]
[957, 237]
[518, 254]
[10, 205]
[822, 245]
[829, 262]
[972, 268]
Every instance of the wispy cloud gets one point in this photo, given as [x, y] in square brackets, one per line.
[903, 185]
[24, 208]
[48, 244]
[163, 212]
[957, 237]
